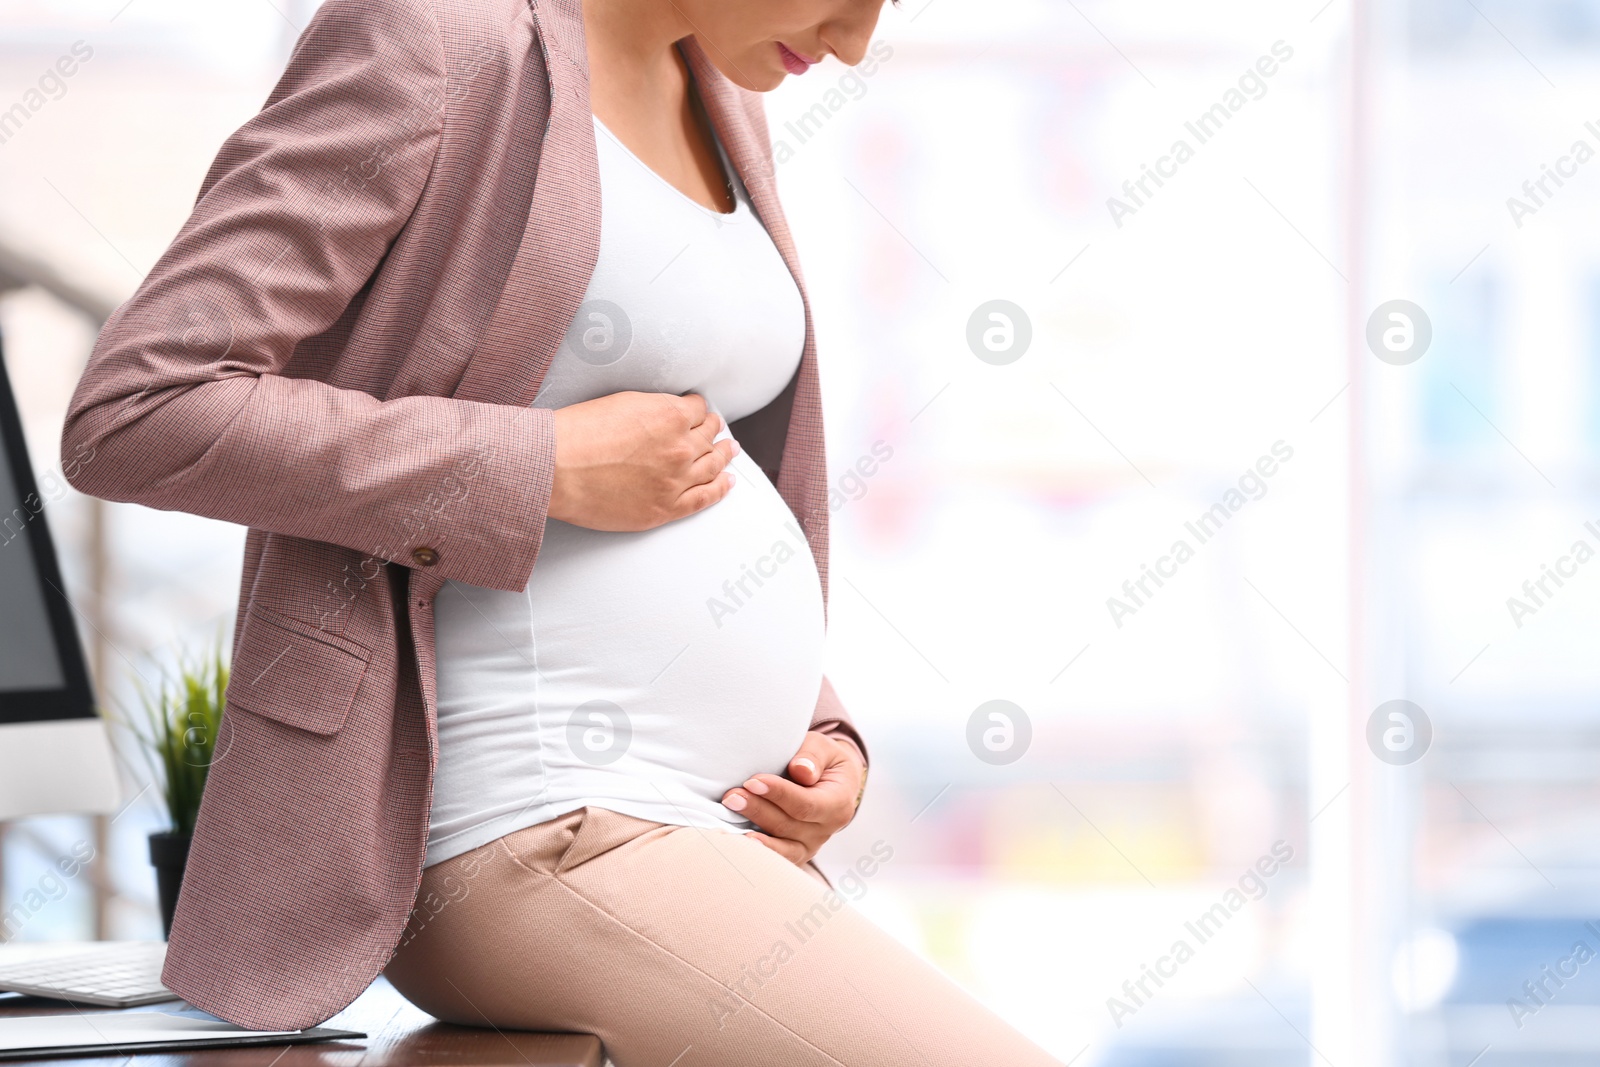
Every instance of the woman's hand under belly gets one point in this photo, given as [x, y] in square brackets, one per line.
[817, 800]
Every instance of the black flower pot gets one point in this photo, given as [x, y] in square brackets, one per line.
[169, 852]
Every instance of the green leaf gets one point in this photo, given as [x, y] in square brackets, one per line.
[178, 727]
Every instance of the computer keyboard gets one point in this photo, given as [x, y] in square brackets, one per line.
[111, 974]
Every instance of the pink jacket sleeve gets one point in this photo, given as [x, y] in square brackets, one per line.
[184, 404]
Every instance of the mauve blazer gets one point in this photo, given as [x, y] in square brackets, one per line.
[338, 350]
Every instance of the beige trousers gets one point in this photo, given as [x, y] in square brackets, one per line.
[681, 947]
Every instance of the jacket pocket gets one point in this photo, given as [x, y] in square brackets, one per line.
[291, 672]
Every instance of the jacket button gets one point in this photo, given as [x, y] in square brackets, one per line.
[424, 557]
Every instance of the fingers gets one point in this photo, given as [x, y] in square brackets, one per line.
[768, 815]
[690, 405]
[708, 427]
[817, 752]
[797, 841]
[714, 462]
[799, 802]
[803, 813]
[699, 497]
[709, 478]
[690, 412]
[702, 420]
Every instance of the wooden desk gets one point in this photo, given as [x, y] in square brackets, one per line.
[398, 1035]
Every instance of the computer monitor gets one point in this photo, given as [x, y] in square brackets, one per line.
[55, 754]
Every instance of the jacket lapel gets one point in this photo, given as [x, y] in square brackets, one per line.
[561, 240]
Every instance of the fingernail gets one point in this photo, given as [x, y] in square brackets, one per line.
[738, 449]
[756, 786]
[734, 802]
[807, 762]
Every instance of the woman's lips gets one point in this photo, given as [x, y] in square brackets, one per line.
[794, 62]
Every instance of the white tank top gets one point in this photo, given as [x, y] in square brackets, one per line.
[647, 673]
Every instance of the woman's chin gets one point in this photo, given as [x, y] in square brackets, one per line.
[757, 73]
[769, 80]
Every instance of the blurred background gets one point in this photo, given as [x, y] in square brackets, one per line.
[1093, 280]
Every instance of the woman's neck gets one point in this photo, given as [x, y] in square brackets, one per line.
[639, 86]
[631, 45]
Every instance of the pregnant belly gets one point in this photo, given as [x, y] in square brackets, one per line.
[689, 654]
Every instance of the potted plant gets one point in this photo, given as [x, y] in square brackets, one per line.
[177, 733]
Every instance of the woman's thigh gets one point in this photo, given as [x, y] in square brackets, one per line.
[681, 947]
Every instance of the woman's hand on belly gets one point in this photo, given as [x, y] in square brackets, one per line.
[816, 801]
[633, 461]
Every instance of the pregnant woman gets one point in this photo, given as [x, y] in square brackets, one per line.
[489, 327]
